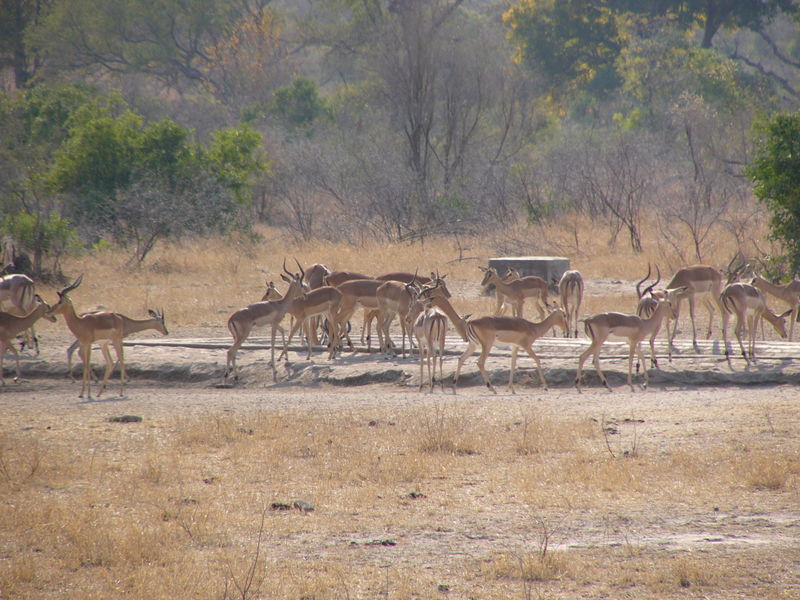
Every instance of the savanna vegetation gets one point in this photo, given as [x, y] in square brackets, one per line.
[132, 124]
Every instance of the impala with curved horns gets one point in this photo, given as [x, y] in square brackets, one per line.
[270, 313]
[647, 306]
[91, 328]
[635, 329]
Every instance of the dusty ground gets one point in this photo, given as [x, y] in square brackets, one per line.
[697, 399]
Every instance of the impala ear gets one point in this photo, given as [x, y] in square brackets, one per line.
[152, 313]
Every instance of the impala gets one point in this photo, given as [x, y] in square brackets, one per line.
[438, 301]
[788, 293]
[430, 329]
[647, 306]
[270, 313]
[396, 298]
[337, 278]
[18, 291]
[355, 293]
[11, 325]
[90, 328]
[315, 303]
[750, 306]
[517, 291]
[600, 326]
[700, 280]
[519, 332]
[129, 327]
[570, 290]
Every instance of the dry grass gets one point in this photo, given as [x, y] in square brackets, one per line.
[181, 508]
[202, 282]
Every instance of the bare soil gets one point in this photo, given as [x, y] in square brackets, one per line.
[692, 402]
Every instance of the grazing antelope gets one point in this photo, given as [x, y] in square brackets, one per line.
[91, 328]
[270, 313]
[11, 325]
[700, 280]
[129, 327]
[749, 305]
[788, 293]
[520, 333]
[17, 290]
[430, 329]
[600, 326]
[570, 290]
[517, 291]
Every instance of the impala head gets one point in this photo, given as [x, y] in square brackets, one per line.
[735, 273]
[488, 274]
[780, 323]
[272, 292]
[295, 280]
[63, 299]
[160, 320]
[48, 314]
[560, 317]
[439, 283]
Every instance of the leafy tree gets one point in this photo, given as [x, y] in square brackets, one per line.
[775, 172]
[145, 182]
[34, 124]
[299, 105]
[573, 42]
[51, 236]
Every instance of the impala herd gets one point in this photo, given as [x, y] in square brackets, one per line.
[318, 299]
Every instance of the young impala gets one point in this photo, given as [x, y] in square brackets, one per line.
[570, 289]
[11, 325]
[430, 329]
[520, 333]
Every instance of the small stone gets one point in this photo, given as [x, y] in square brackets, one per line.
[125, 419]
[303, 506]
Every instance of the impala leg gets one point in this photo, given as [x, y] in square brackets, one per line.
[532, 354]
[461, 359]
[109, 368]
[631, 352]
[431, 359]
[421, 345]
[86, 350]
[645, 372]
[120, 352]
[694, 328]
[513, 367]
[596, 362]
[481, 367]
[740, 325]
[16, 356]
